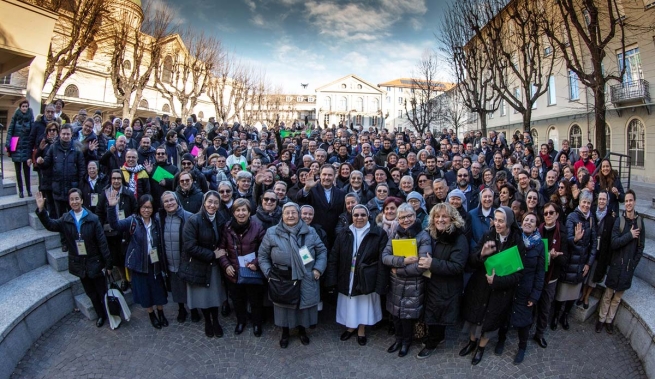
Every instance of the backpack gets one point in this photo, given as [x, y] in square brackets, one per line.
[638, 221]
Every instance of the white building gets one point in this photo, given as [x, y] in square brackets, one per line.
[349, 99]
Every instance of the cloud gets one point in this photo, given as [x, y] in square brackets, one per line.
[356, 60]
[251, 5]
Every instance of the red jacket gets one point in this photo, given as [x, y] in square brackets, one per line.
[590, 166]
[240, 245]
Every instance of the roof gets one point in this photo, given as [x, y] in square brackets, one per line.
[409, 82]
[346, 77]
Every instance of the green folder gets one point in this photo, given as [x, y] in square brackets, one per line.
[505, 263]
[161, 174]
[118, 134]
[547, 260]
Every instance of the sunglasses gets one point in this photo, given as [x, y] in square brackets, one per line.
[357, 215]
[269, 199]
[187, 164]
[225, 191]
[462, 176]
[185, 180]
[160, 154]
[549, 213]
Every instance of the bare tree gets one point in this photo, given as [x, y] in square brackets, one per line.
[454, 113]
[468, 60]
[221, 85]
[81, 22]
[421, 109]
[135, 52]
[188, 74]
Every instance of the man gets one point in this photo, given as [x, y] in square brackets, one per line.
[37, 133]
[584, 161]
[438, 195]
[341, 156]
[359, 186]
[188, 165]
[550, 186]
[358, 162]
[159, 187]
[451, 176]
[471, 192]
[174, 150]
[431, 169]
[523, 186]
[325, 196]
[328, 140]
[381, 156]
[573, 157]
[130, 143]
[551, 150]
[516, 170]
[189, 131]
[476, 174]
[135, 176]
[469, 152]
[280, 189]
[145, 152]
[188, 193]
[486, 150]
[321, 156]
[237, 158]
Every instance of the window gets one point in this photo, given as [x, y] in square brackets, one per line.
[552, 96]
[554, 135]
[575, 137]
[327, 103]
[548, 49]
[400, 100]
[535, 137]
[388, 89]
[632, 62]
[517, 95]
[503, 108]
[359, 86]
[5, 80]
[359, 104]
[166, 108]
[299, 99]
[343, 104]
[167, 72]
[608, 137]
[636, 142]
[400, 114]
[143, 103]
[342, 117]
[127, 65]
[490, 115]
[574, 91]
[533, 91]
[326, 119]
[288, 99]
[400, 90]
[72, 91]
[344, 86]
[358, 119]
[412, 90]
[311, 99]
[375, 105]
[201, 115]
[374, 120]
[388, 99]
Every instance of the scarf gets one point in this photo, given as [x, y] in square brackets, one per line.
[270, 218]
[65, 145]
[545, 158]
[132, 182]
[585, 215]
[239, 228]
[379, 203]
[389, 226]
[410, 232]
[531, 240]
[297, 267]
[601, 214]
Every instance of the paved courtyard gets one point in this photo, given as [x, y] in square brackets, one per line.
[75, 348]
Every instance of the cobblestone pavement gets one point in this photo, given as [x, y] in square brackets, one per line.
[75, 348]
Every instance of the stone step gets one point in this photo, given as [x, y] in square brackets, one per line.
[8, 187]
[29, 306]
[57, 259]
[83, 303]
[23, 250]
[35, 223]
[581, 314]
[14, 212]
[646, 268]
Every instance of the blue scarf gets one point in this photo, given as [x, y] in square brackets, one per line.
[532, 239]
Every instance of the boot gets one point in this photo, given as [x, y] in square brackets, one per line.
[478, 356]
[218, 329]
[195, 315]
[468, 349]
[209, 329]
[154, 320]
[500, 347]
[564, 320]
[520, 355]
[162, 319]
[225, 309]
[553, 321]
[181, 314]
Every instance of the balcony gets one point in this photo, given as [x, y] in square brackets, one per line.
[631, 93]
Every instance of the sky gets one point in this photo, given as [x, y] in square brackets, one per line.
[319, 41]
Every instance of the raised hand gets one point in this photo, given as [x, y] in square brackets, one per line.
[93, 145]
[40, 201]
[112, 199]
[148, 166]
[579, 232]
[310, 182]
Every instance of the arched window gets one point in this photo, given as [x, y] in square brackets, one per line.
[608, 137]
[535, 138]
[201, 115]
[327, 103]
[554, 135]
[166, 108]
[575, 137]
[636, 142]
[72, 91]
[343, 104]
[359, 105]
[167, 72]
[127, 65]
[375, 105]
[143, 104]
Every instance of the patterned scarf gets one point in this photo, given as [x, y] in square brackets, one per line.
[532, 239]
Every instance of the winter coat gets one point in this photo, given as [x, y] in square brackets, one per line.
[97, 253]
[613, 200]
[191, 200]
[38, 130]
[156, 190]
[488, 305]
[530, 286]
[238, 245]
[276, 249]
[626, 253]
[443, 290]
[328, 212]
[20, 126]
[604, 249]
[161, 218]
[45, 184]
[556, 240]
[68, 169]
[201, 238]
[112, 161]
[83, 146]
[581, 253]
[479, 224]
[126, 203]
[406, 286]
[369, 275]
[268, 220]
[87, 190]
[137, 255]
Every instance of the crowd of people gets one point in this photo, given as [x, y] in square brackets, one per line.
[283, 218]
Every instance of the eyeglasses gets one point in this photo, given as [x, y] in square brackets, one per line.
[358, 215]
[269, 199]
[116, 179]
[549, 213]
[225, 191]
[367, 162]
[187, 164]
[381, 191]
[439, 161]
[562, 187]
[407, 217]
[185, 180]
[422, 180]
[462, 176]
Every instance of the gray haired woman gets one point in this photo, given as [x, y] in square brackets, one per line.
[280, 252]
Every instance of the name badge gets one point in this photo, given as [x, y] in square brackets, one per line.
[81, 247]
[305, 255]
[121, 215]
[154, 258]
[94, 199]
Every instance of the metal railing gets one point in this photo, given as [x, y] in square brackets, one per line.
[622, 164]
[630, 91]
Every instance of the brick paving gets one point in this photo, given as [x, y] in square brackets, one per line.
[75, 348]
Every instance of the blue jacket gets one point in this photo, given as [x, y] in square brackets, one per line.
[479, 225]
[137, 254]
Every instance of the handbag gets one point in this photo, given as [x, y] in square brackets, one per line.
[113, 303]
[248, 276]
[282, 289]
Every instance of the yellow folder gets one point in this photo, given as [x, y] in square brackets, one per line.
[404, 247]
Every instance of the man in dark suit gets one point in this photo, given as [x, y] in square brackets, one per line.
[326, 198]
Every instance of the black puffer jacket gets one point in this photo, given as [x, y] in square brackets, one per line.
[97, 258]
[191, 200]
[201, 239]
[68, 169]
[20, 126]
[370, 273]
[626, 253]
[488, 305]
[444, 288]
[530, 286]
[581, 253]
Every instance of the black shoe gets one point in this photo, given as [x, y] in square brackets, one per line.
[564, 320]
[20, 194]
[424, 353]
[154, 321]
[599, 326]
[257, 330]
[162, 319]
[478, 356]
[239, 329]
[181, 315]
[541, 341]
[284, 342]
[304, 339]
[500, 347]
[64, 248]
[218, 329]
[578, 302]
[100, 322]
[195, 315]
[29, 193]
[468, 349]
[403, 350]
[225, 309]
[361, 340]
[209, 330]
[520, 355]
[585, 306]
[553, 321]
[125, 285]
[610, 328]
[345, 336]
[395, 347]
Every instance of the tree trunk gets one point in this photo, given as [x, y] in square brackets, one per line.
[483, 123]
[599, 114]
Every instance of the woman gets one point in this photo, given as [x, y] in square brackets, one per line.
[242, 237]
[18, 145]
[314, 169]
[387, 220]
[446, 266]
[406, 186]
[608, 180]
[488, 298]
[392, 160]
[45, 174]
[93, 184]
[395, 176]
[406, 282]
[354, 267]
[567, 173]
[418, 203]
[505, 196]
[376, 204]
[487, 179]
[86, 259]
[528, 292]
[345, 219]
[225, 191]
[564, 198]
[424, 184]
[360, 187]
[595, 157]
[532, 202]
[343, 178]
[202, 236]
[582, 243]
[269, 212]
[143, 257]
[279, 254]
